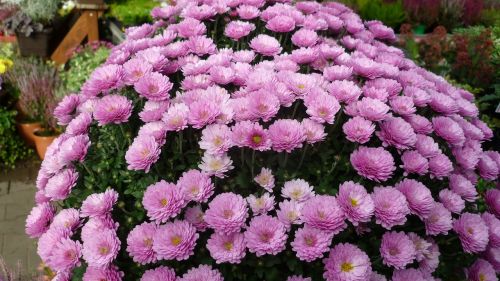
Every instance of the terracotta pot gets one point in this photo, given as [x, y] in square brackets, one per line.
[27, 131]
[42, 142]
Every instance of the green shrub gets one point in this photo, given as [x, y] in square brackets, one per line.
[131, 12]
[12, 148]
[80, 66]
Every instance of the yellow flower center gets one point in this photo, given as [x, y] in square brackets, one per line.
[103, 250]
[194, 190]
[470, 230]
[482, 277]
[148, 242]
[265, 237]
[217, 141]
[164, 202]
[301, 86]
[354, 202]
[228, 246]
[228, 214]
[257, 139]
[309, 241]
[346, 267]
[292, 215]
[296, 194]
[176, 240]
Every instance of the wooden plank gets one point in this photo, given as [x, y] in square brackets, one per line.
[93, 26]
[74, 37]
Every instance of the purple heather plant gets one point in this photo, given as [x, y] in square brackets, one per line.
[267, 140]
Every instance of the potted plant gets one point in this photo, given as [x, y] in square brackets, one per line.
[36, 82]
[38, 26]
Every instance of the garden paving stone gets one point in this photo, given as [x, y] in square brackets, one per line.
[17, 192]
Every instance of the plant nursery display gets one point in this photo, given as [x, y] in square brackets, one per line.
[267, 140]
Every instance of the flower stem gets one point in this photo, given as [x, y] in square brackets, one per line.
[253, 161]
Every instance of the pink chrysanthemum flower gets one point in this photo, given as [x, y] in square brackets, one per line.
[202, 113]
[298, 190]
[345, 91]
[202, 272]
[60, 185]
[189, 27]
[463, 187]
[227, 248]
[74, 148]
[321, 107]
[238, 29]
[263, 104]
[492, 255]
[68, 219]
[493, 224]
[408, 274]
[140, 243]
[420, 124]
[222, 75]
[289, 213]
[135, 69]
[265, 179]
[356, 203]
[323, 212]
[163, 201]
[65, 255]
[39, 219]
[391, 207]
[488, 167]
[492, 198]
[103, 79]
[161, 273]
[66, 110]
[451, 201]
[265, 235]
[261, 205]
[481, 270]
[99, 204]
[374, 163]
[397, 250]
[417, 195]
[216, 139]
[358, 129]
[176, 118]
[315, 132]
[304, 38]
[194, 215]
[337, 72]
[109, 274]
[397, 132]
[426, 146]
[265, 45]
[346, 262]
[101, 249]
[79, 125]
[216, 165]
[197, 186]
[472, 231]
[402, 105]
[286, 135]
[154, 86]
[449, 130]
[438, 221]
[175, 240]
[281, 23]
[372, 109]
[112, 109]
[310, 243]
[226, 213]
[142, 153]
[414, 162]
[440, 166]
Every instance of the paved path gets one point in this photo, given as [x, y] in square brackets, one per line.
[17, 190]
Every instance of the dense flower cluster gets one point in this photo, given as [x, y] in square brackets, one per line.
[246, 85]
